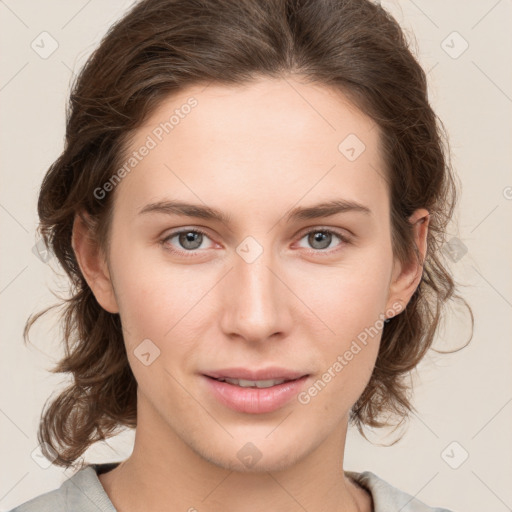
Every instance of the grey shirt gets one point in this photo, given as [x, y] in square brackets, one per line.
[83, 492]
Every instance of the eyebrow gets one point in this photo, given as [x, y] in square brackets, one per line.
[324, 209]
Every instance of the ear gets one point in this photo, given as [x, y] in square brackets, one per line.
[406, 278]
[93, 264]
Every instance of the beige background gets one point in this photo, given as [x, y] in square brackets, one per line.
[465, 397]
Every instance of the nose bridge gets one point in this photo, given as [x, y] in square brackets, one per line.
[254, 303]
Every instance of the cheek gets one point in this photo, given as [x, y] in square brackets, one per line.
[161, 304]
[351, 308]
[348, 358]
[352, 296]
[152, 295]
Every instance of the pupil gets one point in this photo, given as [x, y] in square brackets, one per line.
[189, 238]
[321, 236]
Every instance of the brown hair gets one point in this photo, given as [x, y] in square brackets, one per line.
[162, 46]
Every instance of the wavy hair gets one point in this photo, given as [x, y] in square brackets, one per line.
[163, 46]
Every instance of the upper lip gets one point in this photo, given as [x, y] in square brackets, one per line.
[270, 373]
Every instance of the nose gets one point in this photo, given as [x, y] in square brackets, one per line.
[255, 300]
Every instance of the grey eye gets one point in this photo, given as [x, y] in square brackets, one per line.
[190, 239]
[319, 239]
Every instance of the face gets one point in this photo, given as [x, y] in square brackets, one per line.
[262, 287]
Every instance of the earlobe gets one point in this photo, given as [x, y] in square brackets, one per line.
[93, 265]
[406, 278]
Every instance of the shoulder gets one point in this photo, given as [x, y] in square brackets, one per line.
[385, 495]
[82, 491]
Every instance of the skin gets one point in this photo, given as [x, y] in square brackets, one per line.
[253, 152]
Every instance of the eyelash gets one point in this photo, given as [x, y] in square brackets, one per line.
[190, 254]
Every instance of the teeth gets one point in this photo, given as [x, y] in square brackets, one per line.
[254, 383]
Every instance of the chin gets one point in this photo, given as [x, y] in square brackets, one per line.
[252, 454]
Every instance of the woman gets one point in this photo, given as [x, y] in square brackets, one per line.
[250, 205]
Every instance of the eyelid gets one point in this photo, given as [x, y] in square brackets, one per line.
[344, 234]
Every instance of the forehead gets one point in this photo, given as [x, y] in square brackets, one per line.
[270, 142]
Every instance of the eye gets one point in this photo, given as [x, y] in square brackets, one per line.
[321, 238]
[189, 239]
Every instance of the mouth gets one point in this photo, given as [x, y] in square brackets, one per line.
[254, 396]
[241, 374]
[260, 384]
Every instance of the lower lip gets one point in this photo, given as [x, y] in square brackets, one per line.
[255, 400]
